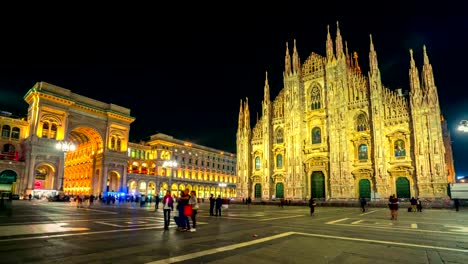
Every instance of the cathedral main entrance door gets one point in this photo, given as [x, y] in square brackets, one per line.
[258, 190]
[317, 185]
[279, 190]
[402, 188]
[364, 188]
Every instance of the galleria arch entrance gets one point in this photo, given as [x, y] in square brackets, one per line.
[98, 130]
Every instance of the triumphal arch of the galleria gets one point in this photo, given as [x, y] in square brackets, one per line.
[98, 130]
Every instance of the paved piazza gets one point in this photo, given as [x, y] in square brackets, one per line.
[53, 232]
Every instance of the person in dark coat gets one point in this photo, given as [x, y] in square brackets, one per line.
[212, 204]
[156, 202]
[363, 202]
[312, 204]
[456, 202]
[219, 204]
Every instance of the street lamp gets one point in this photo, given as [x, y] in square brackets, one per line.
[463, 126]
[172, 164]
[64, 146]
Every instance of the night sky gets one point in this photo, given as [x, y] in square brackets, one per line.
[183, 71]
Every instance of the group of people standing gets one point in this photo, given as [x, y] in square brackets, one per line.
[186, 205]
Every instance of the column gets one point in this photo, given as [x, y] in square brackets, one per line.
[104, 179]
[29, 179]
[123, 181]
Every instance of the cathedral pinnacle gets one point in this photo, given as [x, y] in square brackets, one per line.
[246, 114]
[266, 89]
[348, 60]
[329, 45]
[414, 78]
[373, 64]
[426, 58]
[412, 63]
[296, 62]
[241, 116]
[287, 61]
[356, 63]
[339, 42]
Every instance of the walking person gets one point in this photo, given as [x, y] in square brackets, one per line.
[419, 205]
[212, 204]
[219, 204]
[194, 203]
[249, 202]
[30, 196]
[456, 202]
[363, 203]
[168, 206]
[393, 207]
[156, 202]
[312, 204]
[414, 204]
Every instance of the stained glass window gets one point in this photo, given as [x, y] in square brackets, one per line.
[399, 147]
[279, 136]
[315, 98]
[257, 163]
[362, 124]
[316, 135]
[279, 161]
[362, 152]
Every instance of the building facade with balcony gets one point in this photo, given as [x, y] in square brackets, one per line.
[166, 163]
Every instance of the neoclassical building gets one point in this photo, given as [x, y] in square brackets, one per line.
[166, 163]
[334, 132]
[102, 159]
[97, 130]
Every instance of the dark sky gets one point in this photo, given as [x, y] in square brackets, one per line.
[182, 70]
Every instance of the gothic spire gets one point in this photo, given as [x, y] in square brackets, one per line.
[356, 62]
[339, 42]
[287, 61]
[373, 64]
[266, 90]
[246, 114]
[414, 78]
[427, 73]
[241, 116]
[329, 45]
[296, 61]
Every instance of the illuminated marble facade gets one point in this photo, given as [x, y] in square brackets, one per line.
[203, 169]
[99, 130]
[104, 160]
[333, 132]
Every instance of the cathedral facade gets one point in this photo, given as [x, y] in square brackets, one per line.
[334, 133]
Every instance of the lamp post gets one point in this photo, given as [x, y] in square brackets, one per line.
[463, 126]
[64, 146]
[172, 164]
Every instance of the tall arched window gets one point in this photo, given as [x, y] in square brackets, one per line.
[362, 152]
[8, 148]
[315, 98]
[45, 129]
[119, 144]
[362, 123]
[53, 131]
[112, 143]
[279, 161]
[6, 131]
[316, 135]
[279, 136]
[400, 150]
[15, 133]
[257, 163]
